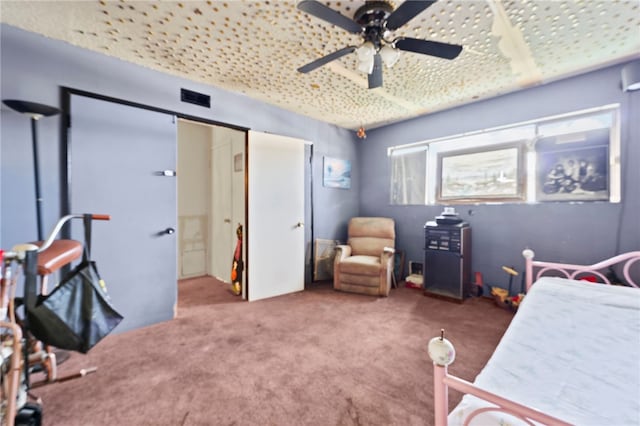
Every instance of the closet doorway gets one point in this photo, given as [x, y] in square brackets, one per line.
[211, 199]
[121, 160]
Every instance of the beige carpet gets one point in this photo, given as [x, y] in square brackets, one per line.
[317, 357]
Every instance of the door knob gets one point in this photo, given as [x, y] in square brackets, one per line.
[300, 225]
[167, 231]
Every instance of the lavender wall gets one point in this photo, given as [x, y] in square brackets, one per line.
[580, 233]
[34, 68]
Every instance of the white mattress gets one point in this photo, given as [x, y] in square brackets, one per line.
[571, 351]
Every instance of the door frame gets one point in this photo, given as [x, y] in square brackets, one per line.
[244, 189]
[65, 102]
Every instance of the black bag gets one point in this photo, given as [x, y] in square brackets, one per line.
[78, 313]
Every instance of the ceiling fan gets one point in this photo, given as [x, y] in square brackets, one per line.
[374, 21]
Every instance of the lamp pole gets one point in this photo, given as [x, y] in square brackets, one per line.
[36, 175]
[35, 111]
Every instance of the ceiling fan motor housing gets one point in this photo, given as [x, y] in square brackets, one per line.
[372, 17]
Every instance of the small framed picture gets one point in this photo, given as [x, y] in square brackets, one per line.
[337, 173]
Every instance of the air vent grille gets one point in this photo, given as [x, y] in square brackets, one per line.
[195, 98]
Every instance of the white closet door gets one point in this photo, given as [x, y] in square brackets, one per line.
[276, 215]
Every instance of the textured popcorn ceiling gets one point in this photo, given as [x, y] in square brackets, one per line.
[255, 47]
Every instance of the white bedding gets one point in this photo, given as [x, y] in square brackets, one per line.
[572, 351]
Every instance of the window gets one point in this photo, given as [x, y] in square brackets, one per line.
[408, 176]
[571, 157]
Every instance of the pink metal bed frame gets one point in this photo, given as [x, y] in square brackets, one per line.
[443, 380]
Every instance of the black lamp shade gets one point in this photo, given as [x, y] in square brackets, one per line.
[31, 108]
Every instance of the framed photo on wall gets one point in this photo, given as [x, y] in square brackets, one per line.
[573, 174]
[337, 173]
[481, 174]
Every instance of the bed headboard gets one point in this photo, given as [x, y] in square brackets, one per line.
[565, 270]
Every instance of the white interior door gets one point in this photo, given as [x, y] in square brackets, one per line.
[227, 197]
[194, 189]
[276, 215]
[117, 156]
[221, 209]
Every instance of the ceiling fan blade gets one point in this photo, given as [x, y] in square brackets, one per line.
[326, 59]
[426, 47]
[375, 78]
[319, 10]
[406, 12]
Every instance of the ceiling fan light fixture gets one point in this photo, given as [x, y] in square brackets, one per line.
[365, 54]
[366, 51]
[365, 64]
[389, 55]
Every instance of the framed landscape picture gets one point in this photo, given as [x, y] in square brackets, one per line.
[481, 174]
[337, 173]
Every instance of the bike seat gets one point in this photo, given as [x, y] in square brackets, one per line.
[60, 253]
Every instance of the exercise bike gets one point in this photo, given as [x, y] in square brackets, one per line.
[21, 353]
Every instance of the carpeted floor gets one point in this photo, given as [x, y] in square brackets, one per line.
[317, 357]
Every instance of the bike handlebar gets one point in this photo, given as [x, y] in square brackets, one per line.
[62, 221]
[18, 251]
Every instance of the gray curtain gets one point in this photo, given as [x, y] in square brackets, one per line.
[408, 176]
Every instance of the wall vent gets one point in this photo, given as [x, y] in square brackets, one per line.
[195, 98]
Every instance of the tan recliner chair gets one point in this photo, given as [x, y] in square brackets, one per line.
[365, 264]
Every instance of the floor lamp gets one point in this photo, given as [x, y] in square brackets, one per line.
[36, 112]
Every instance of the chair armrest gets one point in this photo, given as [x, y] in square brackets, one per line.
[342, 252]
[387, 255]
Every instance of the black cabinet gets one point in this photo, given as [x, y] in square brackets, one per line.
[447, 260]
